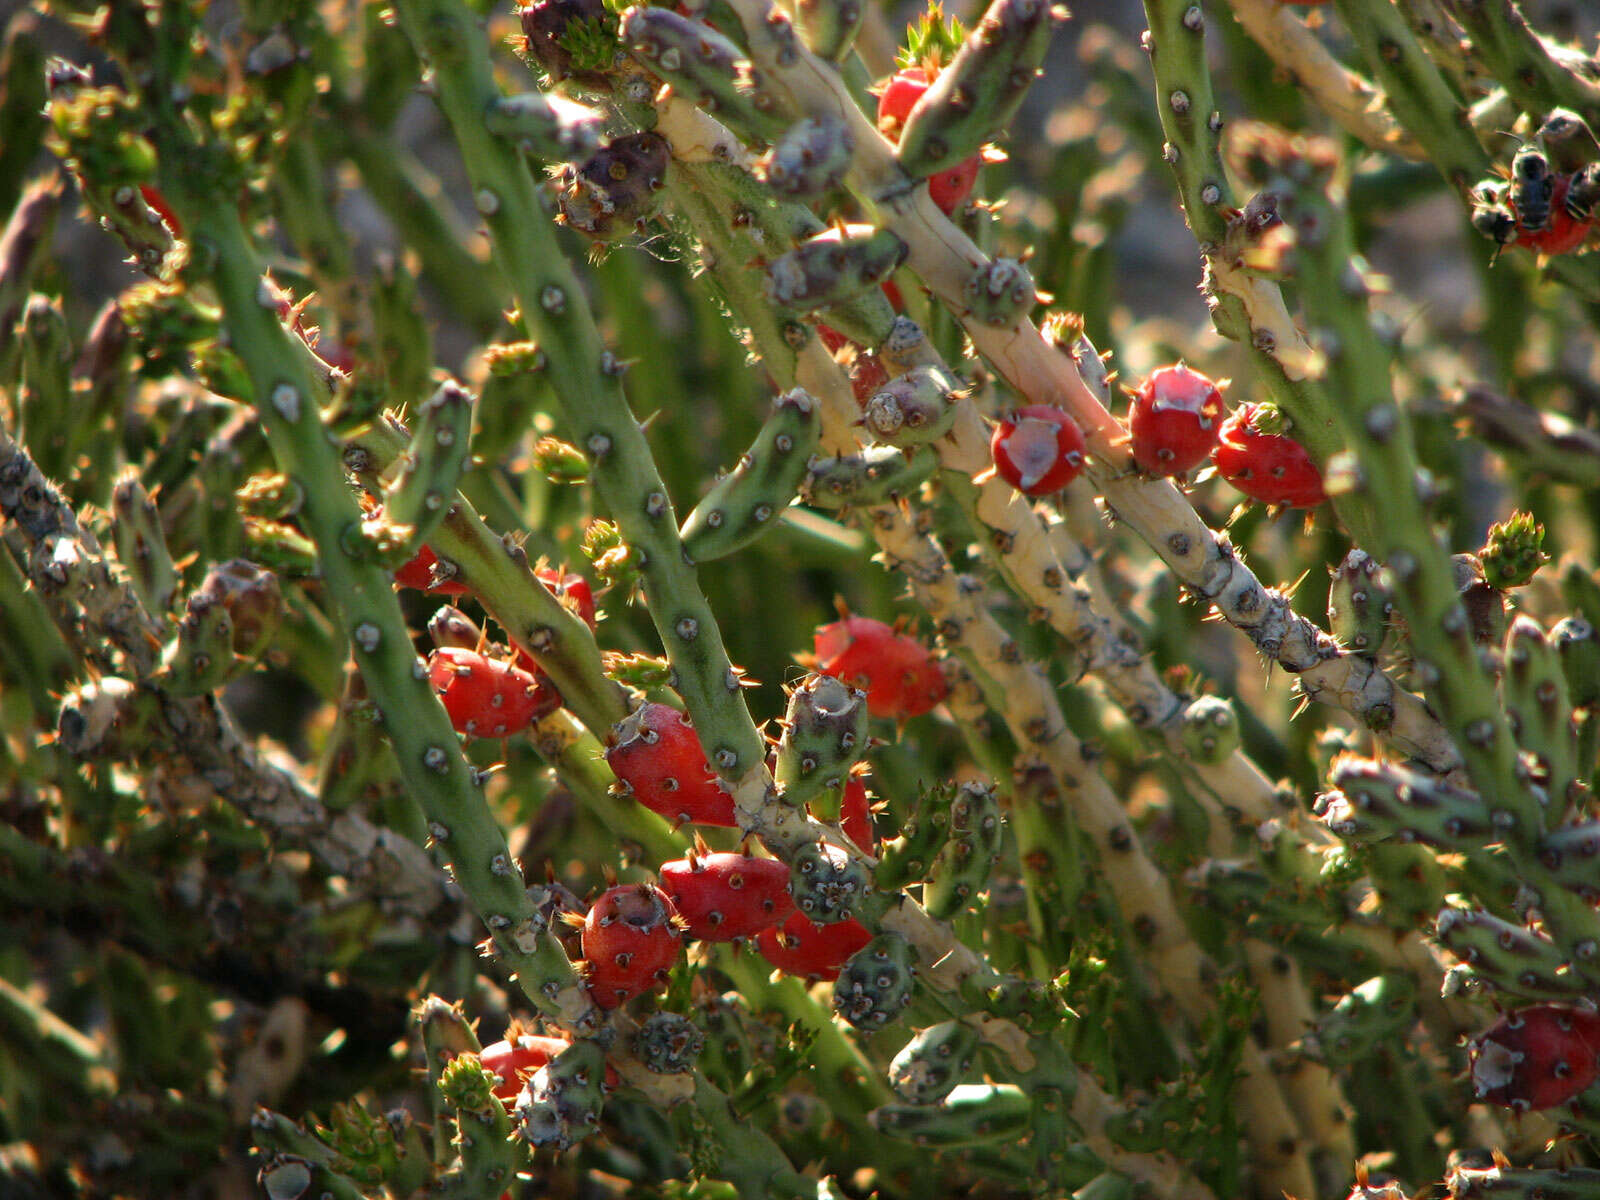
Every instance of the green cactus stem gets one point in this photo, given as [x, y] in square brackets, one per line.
[34, 651]
[547, 126]
[23, 244]
[833, 267]
[706, 66]
[430, 470]
[1417, 94]
[877, 475]
[358, 764]
[1425, 585]
[1346, 96]
[1380, 801]
[1210, 729]
[499, 574]
[623, 472]
[1506, 957]
[829, 27]
[1142, 895]
[400, 333]
[876, 984]
[807, 160]
[1534, 688]
[22, 101]
[50, 424]
[1579, 650]
[1535, 79]
[71, 1058]
[426, 747]
[906, 859]
[1569, 854]
[743, 505]
[1543, 443]
[409, 196]
[979, 92]
[972, 1113]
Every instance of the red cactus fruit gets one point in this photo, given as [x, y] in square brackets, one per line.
[867, 376]
[657, 758]
[631, 936]
[153, 197]
[726, 896]
[855, 816]
[950, 188]
[1268, 467]
[418, 575]
[1038, 450]
[1562, 233]
[897, 672]
[572, 590]
[1537, 1057]
[1175, 420]
[486, 697]
[516, 1059]
[811, 951]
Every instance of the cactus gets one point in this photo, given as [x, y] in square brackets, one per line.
[1010, 872]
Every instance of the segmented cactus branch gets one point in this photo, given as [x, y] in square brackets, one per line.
[430, 759]
[1346, 96]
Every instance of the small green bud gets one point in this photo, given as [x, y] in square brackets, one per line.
[560, 462]
[1513, 552]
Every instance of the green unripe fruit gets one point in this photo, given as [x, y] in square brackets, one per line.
[876, 984]
[1210, 729]
[933, 1062]
[827, 884]
[1000, 293]
[1359, 604]
[915, 408]
[668, 1043]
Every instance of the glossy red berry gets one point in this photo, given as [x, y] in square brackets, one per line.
[899, 675]
[855, 816]
[811, 951]
[1537, 1057]
[572, 590]
[631, 937]
[486, 697]
[1175, 421]
[418, 574]
[950, 188]
[1037, 450]
[726, 896]
[657, 758]
[1268, 467]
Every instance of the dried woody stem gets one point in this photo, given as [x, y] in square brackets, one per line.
[944, 259]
